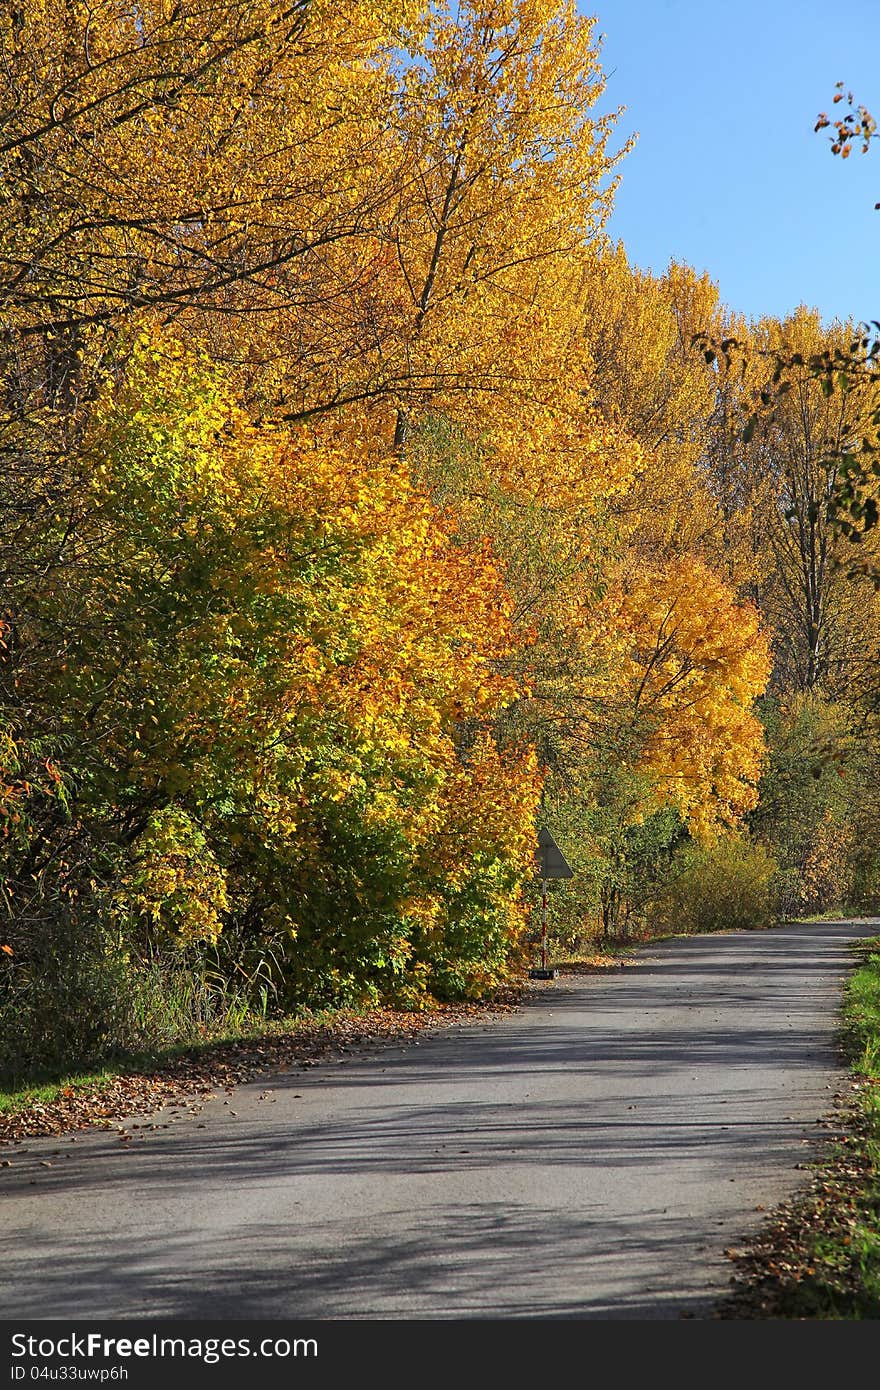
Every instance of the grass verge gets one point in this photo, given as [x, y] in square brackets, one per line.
[138, 1083]
[818, 1256]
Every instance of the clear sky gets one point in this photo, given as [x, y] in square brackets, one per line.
[727, 173]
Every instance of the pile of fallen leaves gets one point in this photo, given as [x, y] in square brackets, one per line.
[807, 1261]
[193, 1076]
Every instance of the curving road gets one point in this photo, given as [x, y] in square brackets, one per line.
[590, 1155]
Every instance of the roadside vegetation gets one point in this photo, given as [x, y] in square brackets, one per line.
[818, 1256]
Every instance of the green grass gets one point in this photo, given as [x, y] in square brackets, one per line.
[862, 1024]
[48, 1084]
[845, 1282]
[43, 1090]
[821, 1259]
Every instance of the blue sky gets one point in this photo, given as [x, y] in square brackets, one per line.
[727, 174]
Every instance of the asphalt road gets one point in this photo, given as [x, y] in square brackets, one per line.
[591, 1155]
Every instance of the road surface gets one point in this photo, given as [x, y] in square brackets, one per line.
[590, 1155]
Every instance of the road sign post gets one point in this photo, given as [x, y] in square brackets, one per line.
[552, 863]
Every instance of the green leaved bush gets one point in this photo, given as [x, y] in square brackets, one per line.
[270, 645]
[726, 884]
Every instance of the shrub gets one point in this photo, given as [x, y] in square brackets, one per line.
[725, 884]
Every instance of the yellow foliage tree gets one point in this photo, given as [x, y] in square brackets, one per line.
[284, 649]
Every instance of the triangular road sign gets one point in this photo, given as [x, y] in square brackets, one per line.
[552, 863]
